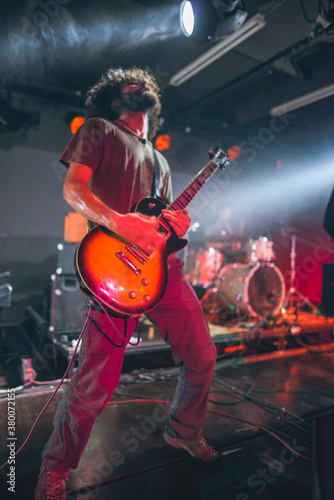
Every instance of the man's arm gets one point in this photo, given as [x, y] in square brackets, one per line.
[137, 228]
[78, 194]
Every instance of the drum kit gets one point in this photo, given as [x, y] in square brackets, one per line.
[238, 276]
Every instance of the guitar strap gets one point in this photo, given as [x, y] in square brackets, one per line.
[155, 191]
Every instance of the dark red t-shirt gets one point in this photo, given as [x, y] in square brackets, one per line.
[122, 165]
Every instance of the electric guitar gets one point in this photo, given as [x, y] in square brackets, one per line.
[120, 275]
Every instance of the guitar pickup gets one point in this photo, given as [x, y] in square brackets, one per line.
[128, 262]
[136, 254]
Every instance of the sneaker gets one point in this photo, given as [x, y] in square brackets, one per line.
[199, 451]
[51, 485]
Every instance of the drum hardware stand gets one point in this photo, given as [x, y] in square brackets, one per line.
[215, 293]
[294, 296]
[213, 288]
[238, 299]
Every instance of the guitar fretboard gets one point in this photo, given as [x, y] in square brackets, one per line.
[190, 191]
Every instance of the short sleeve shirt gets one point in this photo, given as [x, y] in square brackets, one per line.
[122, 163]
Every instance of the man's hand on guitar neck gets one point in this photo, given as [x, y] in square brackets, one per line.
[178, 220]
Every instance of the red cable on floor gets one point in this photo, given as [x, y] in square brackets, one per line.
[217, 413]
[103, 483]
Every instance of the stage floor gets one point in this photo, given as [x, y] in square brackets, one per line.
[235, 337]
[257, 402]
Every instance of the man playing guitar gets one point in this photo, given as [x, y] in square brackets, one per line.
[110, 165]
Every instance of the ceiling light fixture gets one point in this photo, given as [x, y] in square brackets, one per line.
[187, 18]
[211, 20]
[304, 100]
[218, 50]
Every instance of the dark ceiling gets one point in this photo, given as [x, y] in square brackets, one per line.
[58, 48]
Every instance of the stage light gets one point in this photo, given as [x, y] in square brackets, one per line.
[235, 348]
[162, 142]
[76, 123]
[233, 152]
[304, 100]
[198, 19]
[187, 18]
[218, 50]
[211, 20]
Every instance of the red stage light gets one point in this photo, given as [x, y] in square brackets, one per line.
[233, 152]
[163, 142]
[235, 348]
[76, 123]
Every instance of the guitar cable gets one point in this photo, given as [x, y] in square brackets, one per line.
[115, 327]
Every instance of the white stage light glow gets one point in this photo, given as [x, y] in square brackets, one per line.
[187, 19]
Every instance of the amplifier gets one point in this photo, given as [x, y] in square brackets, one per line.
[65, 258]
[64, 301]
[68, 303]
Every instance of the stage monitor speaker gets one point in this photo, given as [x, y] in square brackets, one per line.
[323, 457]
[327, 295]
[67, 306]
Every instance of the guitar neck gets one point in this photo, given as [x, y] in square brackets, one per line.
[219, 160]
[194, 186]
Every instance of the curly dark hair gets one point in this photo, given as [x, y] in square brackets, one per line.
[102, 95]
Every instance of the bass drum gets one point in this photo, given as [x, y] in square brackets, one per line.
[258, 291]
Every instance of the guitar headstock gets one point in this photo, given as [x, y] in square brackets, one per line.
[219, 157]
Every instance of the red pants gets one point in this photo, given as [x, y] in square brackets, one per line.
[182, 324]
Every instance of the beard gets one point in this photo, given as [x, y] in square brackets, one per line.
[136, 101]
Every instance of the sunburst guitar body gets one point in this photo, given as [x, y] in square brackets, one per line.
[120, 275]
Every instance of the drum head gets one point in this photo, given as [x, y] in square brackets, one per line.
[266, 291]
[258, 290]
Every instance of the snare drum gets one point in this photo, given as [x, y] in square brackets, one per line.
[257, 290]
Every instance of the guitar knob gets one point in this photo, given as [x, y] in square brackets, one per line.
[147, 298]
[132, 294]
[145, 281]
